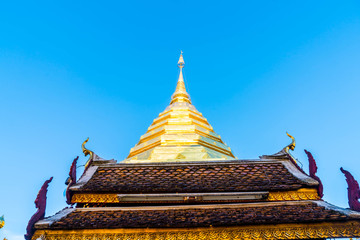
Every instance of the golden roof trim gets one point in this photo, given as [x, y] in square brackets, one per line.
[300, 194]
[166, 197]
[297, 195]
[265, 232]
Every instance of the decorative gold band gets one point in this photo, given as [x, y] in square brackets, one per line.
[95, 198]
[301, 194]
[281, 231]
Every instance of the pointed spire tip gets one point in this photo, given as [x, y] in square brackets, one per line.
[181, 62]
[180, 94]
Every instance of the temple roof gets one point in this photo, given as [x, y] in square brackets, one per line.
[180, 133]
[192, 177]
[197, 216]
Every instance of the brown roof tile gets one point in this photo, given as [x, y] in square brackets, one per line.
[192, 178]
[232, 215]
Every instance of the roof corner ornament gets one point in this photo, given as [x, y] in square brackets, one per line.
[87, 152]
[353, 190]
[2, 221]
[40, 203]
[71, 180]
[291, 146]
[312, 172]
[284, 153]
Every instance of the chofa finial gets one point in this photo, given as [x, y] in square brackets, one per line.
[284, 153]
[71, 180]
[353, 190]
[291, 146]
[312, 172]
[40, 203]
[87, 152]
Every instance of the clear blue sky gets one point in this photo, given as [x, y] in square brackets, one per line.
[76, 69]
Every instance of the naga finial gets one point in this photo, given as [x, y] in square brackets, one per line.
[291, 146]
[2, 221]
[87, 152]
[71, 180]
[40, 203]
[312, 172]
[353, 190]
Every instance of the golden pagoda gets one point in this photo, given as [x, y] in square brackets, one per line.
[180, 133]
[181, 181]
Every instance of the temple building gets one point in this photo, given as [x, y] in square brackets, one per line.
[181, 181]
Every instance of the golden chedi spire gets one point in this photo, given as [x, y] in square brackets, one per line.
[180, 133]
[180, 94]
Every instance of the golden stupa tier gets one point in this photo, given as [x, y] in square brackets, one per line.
[180, 133]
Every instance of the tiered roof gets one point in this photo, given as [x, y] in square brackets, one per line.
[195, 216]
[215, 176]
[181, 181]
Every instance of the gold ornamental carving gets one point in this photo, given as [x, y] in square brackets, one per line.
[95, 198]
[292, 145]
[281, 231]
[301, 194]
[87, 151]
